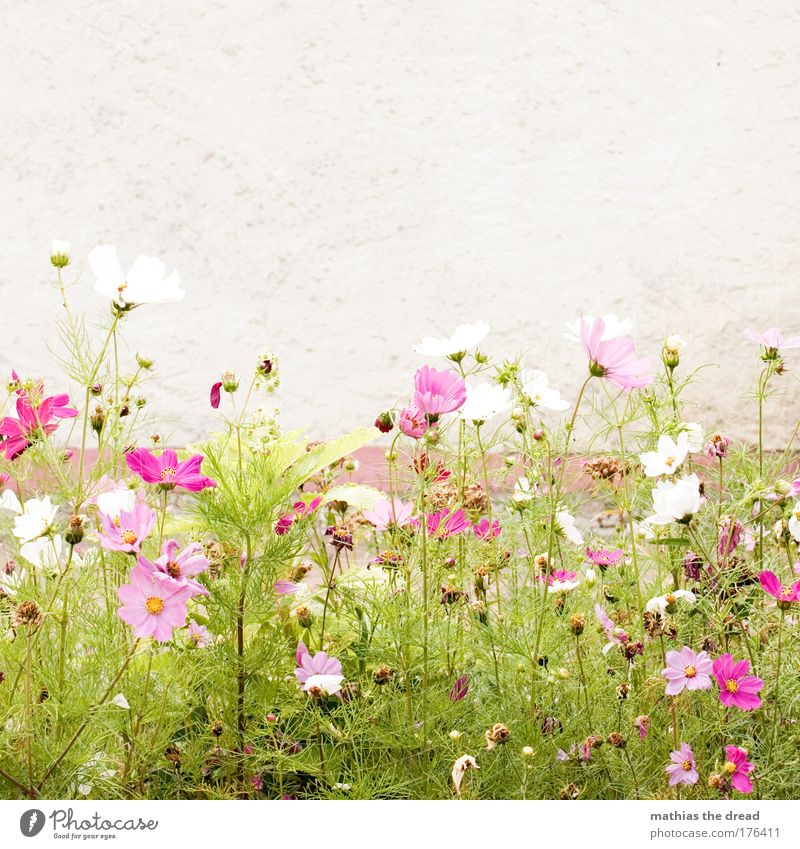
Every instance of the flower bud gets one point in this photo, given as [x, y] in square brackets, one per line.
[144, 362]
[385, 421]
[527, 751]
[538, 434]
[577, 623]
[97, 419]
[75, 530]
[59, 254]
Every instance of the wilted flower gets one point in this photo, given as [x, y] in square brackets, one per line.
[717, 447]
[642, 723]
[460, 767]
[730, 533]
[496, 735]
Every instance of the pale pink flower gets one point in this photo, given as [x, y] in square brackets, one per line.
[181, 566]
[682, 770]
[614, 359]
[152, 605]
[128, 531]
[318, 672]
[387, 513]
[687, 670]
[772, 339]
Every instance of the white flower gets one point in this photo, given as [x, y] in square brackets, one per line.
[675, 502]
[331, 684]
[563, 584]
[537, 387]
[522, 491]
[9, 501]
[44, 551]
[461, 765]
[666, 603]
[340, 786]
[667, 457]
[694, 434]
[10, 582]
[466, 336]
[566, 523]
[643, 531]
[674, 343]
[120, 701]
[36, 519]
[116, 501]
[591, 577]
[613, 327]
[485, 401]
[143, 284]
[794, 521]
[454, 735]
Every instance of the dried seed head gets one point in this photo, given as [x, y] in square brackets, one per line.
[653, 623]
[497, 734]
[603, 468]
[616, 740]
[75, 530]
[382, 675]
[623, 690]
[216, 729]
[577, 623]
[570, 791]
[27, 614]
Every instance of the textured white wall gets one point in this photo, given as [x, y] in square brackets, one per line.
[336, 178]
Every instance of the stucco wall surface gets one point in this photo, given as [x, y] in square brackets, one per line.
[335, 179]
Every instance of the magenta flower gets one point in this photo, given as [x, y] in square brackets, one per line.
[438, 392]
[737, 688]
[784, 594]
[560, 581]
[284, 523]
[603, 557]
[459, 689]
[643, 724]
[413, 422]
[33, 421]
[486, 533]
[181, 566]
[738, 768]
[214, 396]
[772, 340]
[444, 524]
[129, 531]
[153, 604]
[687, 670]
[387, 513]
[318, 673]
[682, 770]
[166, 471]
[614, 359]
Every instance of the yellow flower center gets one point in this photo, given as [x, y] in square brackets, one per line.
[687, 765]
[154, 605]
[670, 599]
[670, 461]
[167, 471]
[729, 767]
[732, 686]
[690, 671]
[786, 592]
[128, 537]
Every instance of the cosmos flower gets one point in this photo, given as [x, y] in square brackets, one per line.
[144, 282]
[181, 566]
[444, 524]
[484, 402]
[738, 768]
[166, 471]
[560, 581]
[565, 522]
[616, 636]
[466, 337]
[682, 770]
[33, 421]
[687, 670]
[412, 422]
[483, 531]
[772, 340]
[614, 359]
[128, 531]
[541, 395]
[669, 454]
[784, 594]
[35, 520]
[386, 513]
[318, 673]
[667, 603]
[604, 557]
[794, 521]
[675, 501]
[438, 392]
[152, 606]
[612, 327]
[737, 687]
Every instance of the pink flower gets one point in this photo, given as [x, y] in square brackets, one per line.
[437, 392]
[643, 724]
[304, 509]
[166, 471]
[485, 533]
[613, 359]
[682, 770]
[199, 636]
[737, 688]
[33, 422]
[729, 535]
[604, 558]
[284, 523]
[151, 605]
[785, 594]
[738, 768]
[129, 531]
[214, 397]
[616, 636]
[560, 581]
[772, 339]
[443, 523]
[413, 422]
[285, 587]
[318, 673]
[687, 670]
[459, 689]
[181, 566]
[387, 513]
